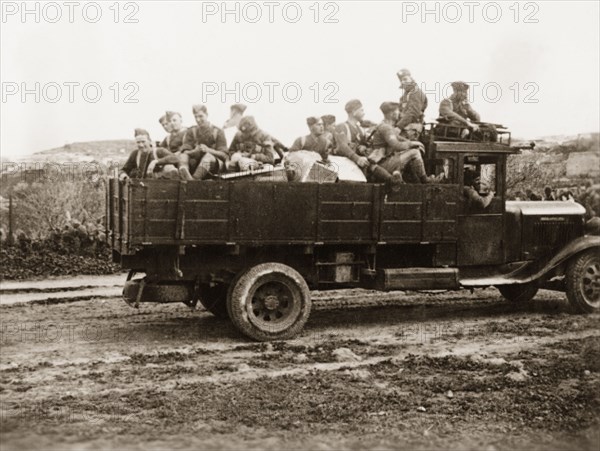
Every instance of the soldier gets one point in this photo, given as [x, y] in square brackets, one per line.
[204, 148]
[177, 131]
[140, 161]
[166, 125]
[394, 152]
[236, 112]
[456, 109]
[329, 124]
[472, 187]
[317, 141]
[250, 147]
[350, 136]
[413, 103]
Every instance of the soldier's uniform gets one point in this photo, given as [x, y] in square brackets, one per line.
[329, 123]
[457, 105]
[139, 162]
[390, 154]
[352, 134]
[413, 104]
[393, 152]
[174, 141]
[317, 141]
[212, 137]
[320, 144]
[167, 127]
[456, 109]
[250, 146]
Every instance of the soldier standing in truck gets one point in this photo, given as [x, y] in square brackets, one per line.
[413, 103]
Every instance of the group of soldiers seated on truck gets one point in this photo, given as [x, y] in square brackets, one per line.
[389, 152]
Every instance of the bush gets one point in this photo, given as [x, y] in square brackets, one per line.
[75, 249]
[40, 208]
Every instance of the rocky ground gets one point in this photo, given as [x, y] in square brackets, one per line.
[388, 371]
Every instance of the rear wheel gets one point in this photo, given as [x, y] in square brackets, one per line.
[519, 293]
[583, 282]
[214, 299]
[269, 301]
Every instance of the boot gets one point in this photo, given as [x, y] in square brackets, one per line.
[184, 174]
[201, 173]
[417, 167]
[379, 174]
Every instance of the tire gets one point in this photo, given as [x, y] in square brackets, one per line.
[214, 299]
[518, 293]
[583, 282]
[269, 301]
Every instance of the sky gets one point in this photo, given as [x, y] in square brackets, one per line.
[86, 71]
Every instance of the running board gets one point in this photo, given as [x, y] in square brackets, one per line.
[416, 279]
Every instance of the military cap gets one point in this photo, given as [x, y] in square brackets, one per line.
[140, 132]
[170, 114]
[459, 86]
[247, 124]
[163, 119]
[312, 120]
[199, 108]
[386, 107]
[353, 105]
[239, 107]
[403, 72]
[328, 119]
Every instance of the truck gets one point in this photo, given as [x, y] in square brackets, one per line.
[252, 251]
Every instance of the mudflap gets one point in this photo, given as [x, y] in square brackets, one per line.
[136, 291]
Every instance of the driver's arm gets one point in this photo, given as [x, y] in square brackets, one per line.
[475, 198]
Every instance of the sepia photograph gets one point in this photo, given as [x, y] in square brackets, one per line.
[304, 225]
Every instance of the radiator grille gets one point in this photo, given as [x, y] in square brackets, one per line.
[552, 233]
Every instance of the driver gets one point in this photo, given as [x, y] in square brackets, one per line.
[473, 186]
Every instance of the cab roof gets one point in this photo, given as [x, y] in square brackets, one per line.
[474, 147]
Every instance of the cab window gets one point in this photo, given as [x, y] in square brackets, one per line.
[485, 169]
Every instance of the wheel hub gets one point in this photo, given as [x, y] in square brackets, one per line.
[591, 282]
[271, 302]
[272, 305]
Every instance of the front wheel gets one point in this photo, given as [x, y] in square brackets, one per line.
[518, 293]
[269, 301]
[583, 282]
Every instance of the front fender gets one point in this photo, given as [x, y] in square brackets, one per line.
[531, 272]
[574, 247]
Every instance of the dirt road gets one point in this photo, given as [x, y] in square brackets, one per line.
[415, 371]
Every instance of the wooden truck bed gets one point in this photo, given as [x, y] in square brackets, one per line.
[165, 212]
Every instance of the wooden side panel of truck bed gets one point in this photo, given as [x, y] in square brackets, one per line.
[165, 212]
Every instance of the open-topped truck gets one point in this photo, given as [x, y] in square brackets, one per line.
[253, 250]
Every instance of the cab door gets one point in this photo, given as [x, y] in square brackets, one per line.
[481, 229]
